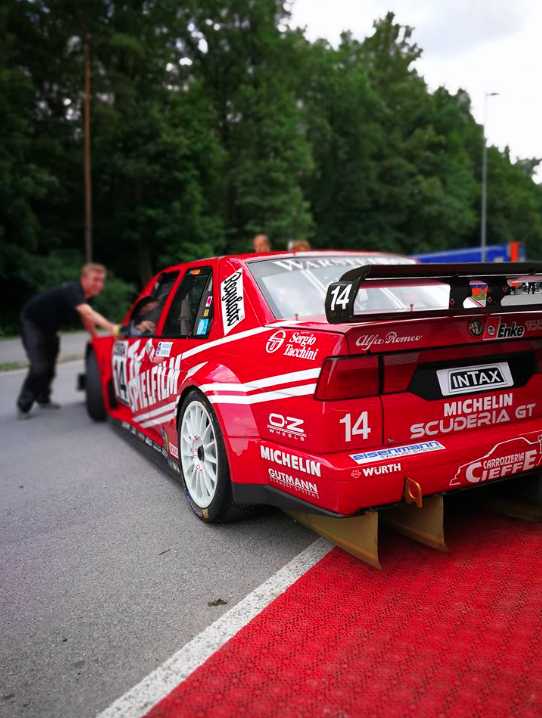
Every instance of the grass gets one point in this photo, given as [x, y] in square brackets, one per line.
[12, 365]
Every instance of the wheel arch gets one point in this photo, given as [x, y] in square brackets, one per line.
[102, 348]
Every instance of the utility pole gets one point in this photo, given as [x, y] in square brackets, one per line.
[483, 238]
[88, 181]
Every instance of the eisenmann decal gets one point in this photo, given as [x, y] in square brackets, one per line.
[514, 456]
[472, 414]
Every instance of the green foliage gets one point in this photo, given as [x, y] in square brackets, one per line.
[212, 121]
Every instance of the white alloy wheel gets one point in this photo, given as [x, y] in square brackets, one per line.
[199, 454]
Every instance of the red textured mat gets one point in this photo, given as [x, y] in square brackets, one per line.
[453, 636]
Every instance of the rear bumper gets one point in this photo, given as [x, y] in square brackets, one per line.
[346, 483]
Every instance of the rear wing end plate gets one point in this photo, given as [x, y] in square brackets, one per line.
[341, 295]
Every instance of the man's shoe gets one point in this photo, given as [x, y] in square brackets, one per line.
[23, 414]
[49, 405]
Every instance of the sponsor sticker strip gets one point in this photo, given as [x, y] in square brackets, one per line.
[396, 452]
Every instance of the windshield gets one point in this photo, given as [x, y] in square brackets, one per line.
[296, 287]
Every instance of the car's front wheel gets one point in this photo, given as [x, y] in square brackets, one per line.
[204, 462]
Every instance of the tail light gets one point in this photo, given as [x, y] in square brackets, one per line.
[348, 378]
[537, 346]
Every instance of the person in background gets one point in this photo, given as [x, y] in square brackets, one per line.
[42, 317]
[299, 245]
[261, 243]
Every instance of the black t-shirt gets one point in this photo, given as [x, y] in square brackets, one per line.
[56, 307]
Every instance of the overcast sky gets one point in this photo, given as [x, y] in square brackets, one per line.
[479, 45]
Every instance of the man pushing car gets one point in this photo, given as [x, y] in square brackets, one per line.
[41, 319]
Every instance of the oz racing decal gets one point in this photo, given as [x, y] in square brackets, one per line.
[396, 452]
[286, 426]
[232, 298]
[514, 456]
[472, 414]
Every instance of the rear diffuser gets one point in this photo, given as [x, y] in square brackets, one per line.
[357, 535]
[424, 524]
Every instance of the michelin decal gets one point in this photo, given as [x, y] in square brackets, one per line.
[473, 414]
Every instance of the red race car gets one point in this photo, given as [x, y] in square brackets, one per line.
[327, 383]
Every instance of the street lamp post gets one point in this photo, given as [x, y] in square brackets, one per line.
[483, 232]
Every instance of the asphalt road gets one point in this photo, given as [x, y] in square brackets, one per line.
[72, 346]
[104, 570]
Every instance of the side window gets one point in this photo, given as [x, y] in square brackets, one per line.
[147, 312]
[191, 312]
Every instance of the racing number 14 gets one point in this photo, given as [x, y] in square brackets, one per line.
[119, 378]
[340, 296]
[361, 427]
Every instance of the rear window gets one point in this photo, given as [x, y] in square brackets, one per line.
[296, 287]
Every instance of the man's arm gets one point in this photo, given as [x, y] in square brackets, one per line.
[93, 318]
[89, 326]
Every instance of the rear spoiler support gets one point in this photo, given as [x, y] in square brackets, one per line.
[341, 295]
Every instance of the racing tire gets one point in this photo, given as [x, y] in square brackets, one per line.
[204, 463]
[94, 389]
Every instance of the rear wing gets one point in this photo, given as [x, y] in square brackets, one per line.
[341, 295]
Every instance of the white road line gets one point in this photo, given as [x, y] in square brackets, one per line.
[140, 699]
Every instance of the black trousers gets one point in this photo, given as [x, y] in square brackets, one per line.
[42, 351]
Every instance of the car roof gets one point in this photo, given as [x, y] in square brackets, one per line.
[247, 258]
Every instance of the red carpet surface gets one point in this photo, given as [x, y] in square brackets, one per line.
[453, 636]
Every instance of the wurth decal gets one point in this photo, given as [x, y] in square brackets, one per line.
[514, 456]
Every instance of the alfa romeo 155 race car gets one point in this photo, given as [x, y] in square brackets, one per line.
[327, 383]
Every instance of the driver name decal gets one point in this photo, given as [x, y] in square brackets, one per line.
[232, 298]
